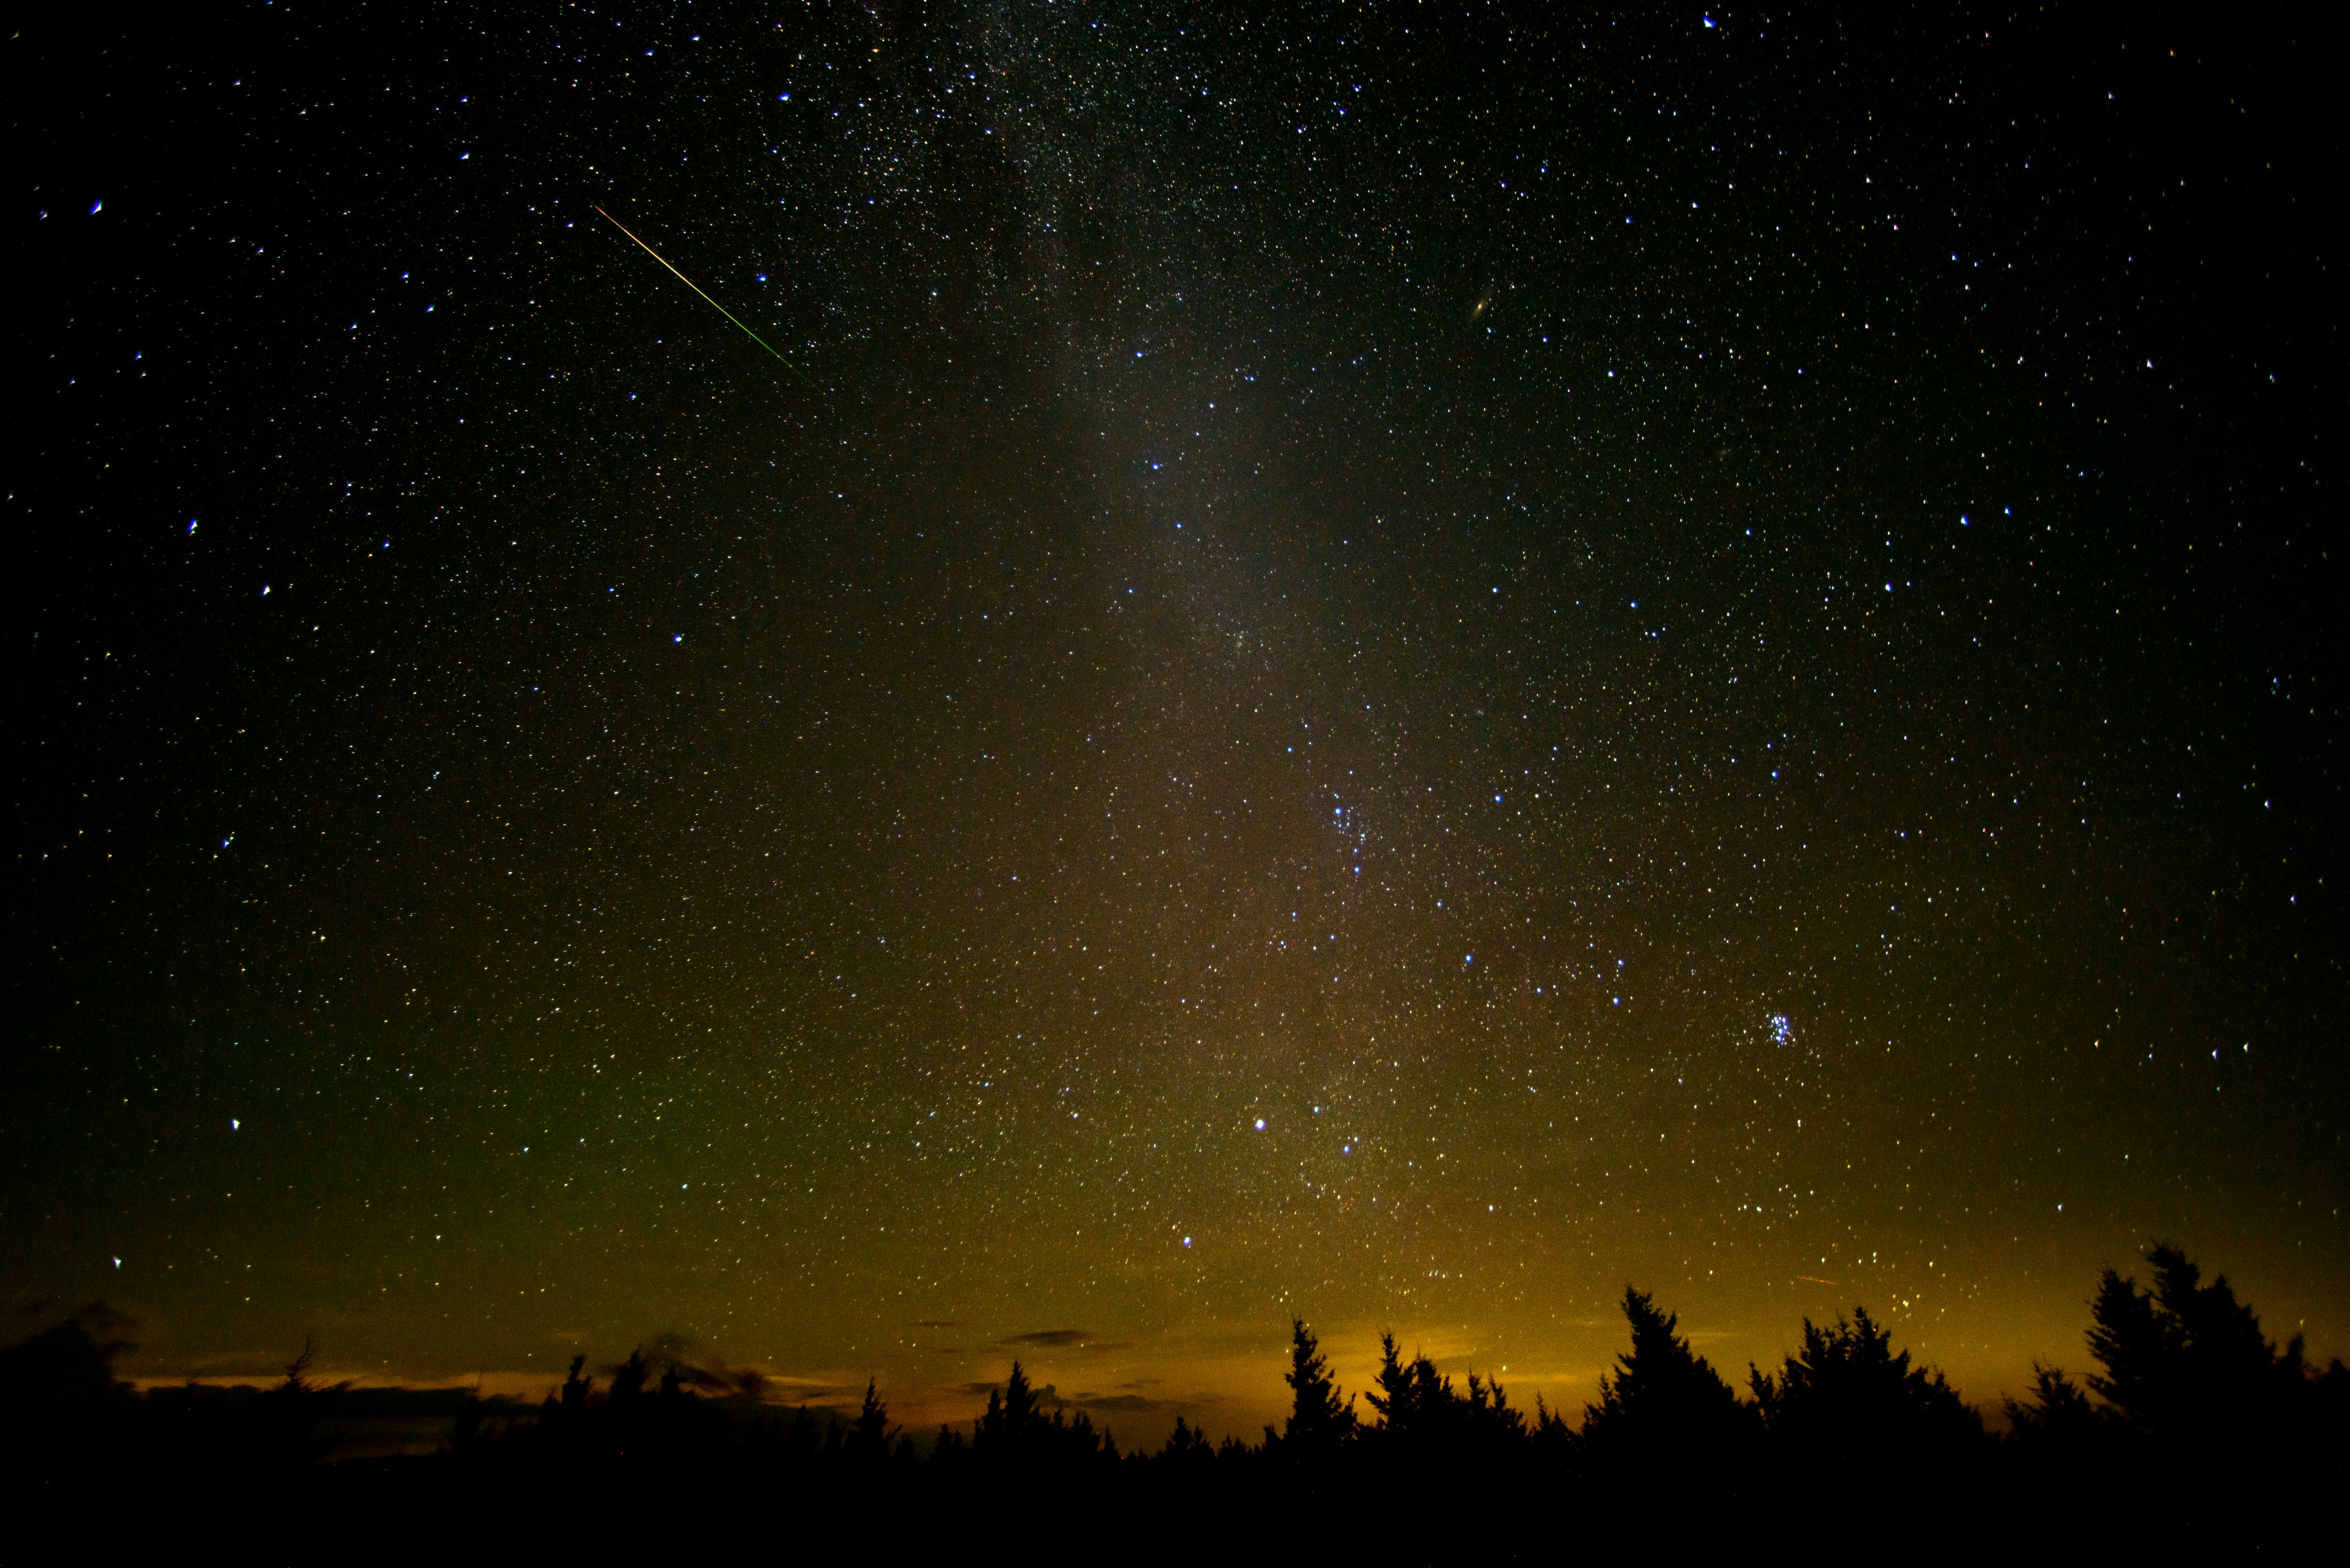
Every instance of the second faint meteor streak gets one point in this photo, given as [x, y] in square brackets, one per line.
[692, 285]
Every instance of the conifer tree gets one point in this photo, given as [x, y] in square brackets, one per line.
[1849, 1393]
[576, 1390]
[1391, 1397]
[2186, 1358]
[1013, 1423]
[629, 1377]
[1319, 1424]
[1411, 1398]
[1662, 1396]
[869, 1434]
[2057, 1414]
[1490, 1420]
[1187, 1446]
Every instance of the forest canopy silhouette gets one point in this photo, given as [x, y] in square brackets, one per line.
[2187, 1400]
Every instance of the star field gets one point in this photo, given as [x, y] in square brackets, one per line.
[1393, 663]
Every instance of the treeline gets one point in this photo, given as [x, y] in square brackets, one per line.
[2189, 1408]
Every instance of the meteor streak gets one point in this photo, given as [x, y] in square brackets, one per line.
[692, 285]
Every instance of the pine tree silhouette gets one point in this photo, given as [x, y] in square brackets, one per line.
[2185, 1360]
[629, 1377]
[1848, 1394]
[1013, 1427]
[2186, 1368]
[869, 1434]
[1412, 1399]
[2195, 1415]
[1663, 1400]
[1319, 1424]
[2058, 1414]
[2190, 1409]
[1550, 1435]
[60, 1406]
[951, 1448]
[1391, 1394]
[1186, 1447]
[1488, 1421]
[65, 1364]
[468, 1429]
[575, 1389]
[284, 1423]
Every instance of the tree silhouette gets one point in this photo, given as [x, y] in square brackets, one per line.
[1187, 1447]
[1425, 1421]
[59, 1401]
[629, 1377]
[65, 1364]
[1410, 1397]
[869, 1434]
[1319, 1424]
[1664, 1400]
[801, 1440]
[468, 1428]
[1013, 1423]
[951, 1446]
[575, 1389]
[2195, 1412]
[292, 1411]
[2187, 1360]
[1550, 1435]
[2057, 1415]
[1015, 1430]
[2189, 1410]
[1491, 1423]
[1849, 1394]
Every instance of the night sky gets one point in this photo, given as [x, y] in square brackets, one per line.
[1399, 664]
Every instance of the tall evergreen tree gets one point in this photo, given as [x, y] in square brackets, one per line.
[2187, 1360]
[1014, 1422]
[1847, 1392]
[1663, 1398]
[1413, 1400]
[2058, 1414]
[952, 1447]
[1551, 1435]
[1187, 1446]
[1487, 1417]
[576, 1390]
[1319, 1424]
[869, 1434]
[1391, 1392]
[629, 1377]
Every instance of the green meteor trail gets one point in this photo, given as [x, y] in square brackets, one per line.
[696, 287]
